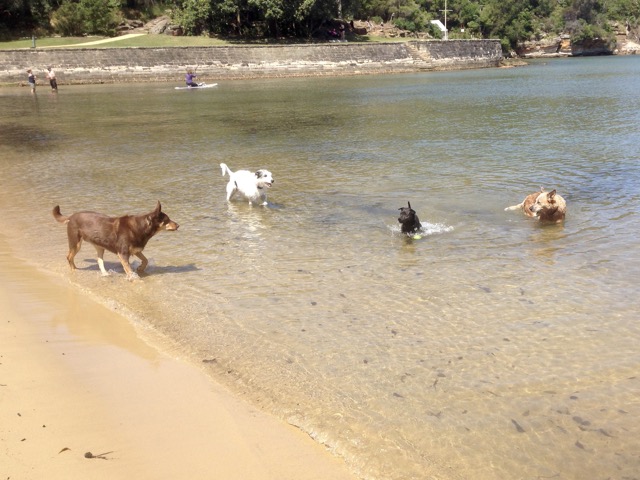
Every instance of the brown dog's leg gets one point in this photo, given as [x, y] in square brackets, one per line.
[100, 252]
[144, 263]
[74, 248]
[124, 260]
[70, 257]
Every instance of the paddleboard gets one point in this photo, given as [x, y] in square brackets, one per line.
[205, 85]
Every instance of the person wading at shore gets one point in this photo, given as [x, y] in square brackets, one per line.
[51, 75]
[32, 81]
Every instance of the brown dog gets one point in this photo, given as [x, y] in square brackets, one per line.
[546, 206]
[124, 236]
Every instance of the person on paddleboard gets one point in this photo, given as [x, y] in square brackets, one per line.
[189, 79]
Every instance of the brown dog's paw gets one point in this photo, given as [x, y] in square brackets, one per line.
[133, 276]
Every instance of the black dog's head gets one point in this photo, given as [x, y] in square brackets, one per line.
[409, 222]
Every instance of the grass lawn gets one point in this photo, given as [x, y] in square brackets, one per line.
[141, 41]
[165, 41]
[45, 42]
[157, 41]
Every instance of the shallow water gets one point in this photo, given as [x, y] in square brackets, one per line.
[491, 348]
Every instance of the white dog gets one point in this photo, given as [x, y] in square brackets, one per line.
[251, 185]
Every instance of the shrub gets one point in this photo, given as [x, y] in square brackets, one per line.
[68, 20]
[96, 17]
[100, 16]
[585, 32]
[404, 24]
[193, 16]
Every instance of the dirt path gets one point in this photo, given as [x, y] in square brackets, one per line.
[98, 42]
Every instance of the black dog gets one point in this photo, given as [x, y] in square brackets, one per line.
[409, 221]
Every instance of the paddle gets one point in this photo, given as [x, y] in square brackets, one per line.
[196, 71]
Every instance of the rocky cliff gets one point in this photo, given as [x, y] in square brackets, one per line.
[627, 42]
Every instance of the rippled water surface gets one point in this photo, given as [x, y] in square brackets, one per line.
[491, 348]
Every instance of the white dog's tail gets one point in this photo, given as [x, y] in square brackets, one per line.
[225, 169]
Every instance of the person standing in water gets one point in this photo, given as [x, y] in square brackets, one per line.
[32, 81]
[51, 75]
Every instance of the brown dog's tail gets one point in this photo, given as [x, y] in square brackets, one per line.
[58, 216]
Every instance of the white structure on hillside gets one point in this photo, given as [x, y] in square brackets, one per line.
[441, 27]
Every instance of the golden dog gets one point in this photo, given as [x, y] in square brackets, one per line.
[545, 206]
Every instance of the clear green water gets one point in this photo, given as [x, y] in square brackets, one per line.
[492, 348]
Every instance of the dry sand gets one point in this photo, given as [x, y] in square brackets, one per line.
[75, 377]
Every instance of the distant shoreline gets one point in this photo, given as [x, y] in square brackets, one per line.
[147, 64]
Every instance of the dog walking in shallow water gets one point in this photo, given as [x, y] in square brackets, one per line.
[409, 221]
[124, 236]
[545, 206]
[251, 186]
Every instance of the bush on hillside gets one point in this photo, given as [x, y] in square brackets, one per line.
[94, 17]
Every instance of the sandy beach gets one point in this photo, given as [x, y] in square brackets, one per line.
[75, 377]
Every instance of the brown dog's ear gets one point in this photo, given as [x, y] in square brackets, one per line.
[551, 194]
[158, 208]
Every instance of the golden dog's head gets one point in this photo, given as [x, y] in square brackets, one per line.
[549, 206]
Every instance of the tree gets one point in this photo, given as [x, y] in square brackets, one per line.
[98, 17]
[194, 16]
[512, 22]
[18, 17]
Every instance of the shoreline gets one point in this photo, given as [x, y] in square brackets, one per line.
[236, 62]
[75, 377]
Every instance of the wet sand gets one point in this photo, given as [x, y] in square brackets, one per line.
[76, 377]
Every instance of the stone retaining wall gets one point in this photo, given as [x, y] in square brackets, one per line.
[111, 65]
